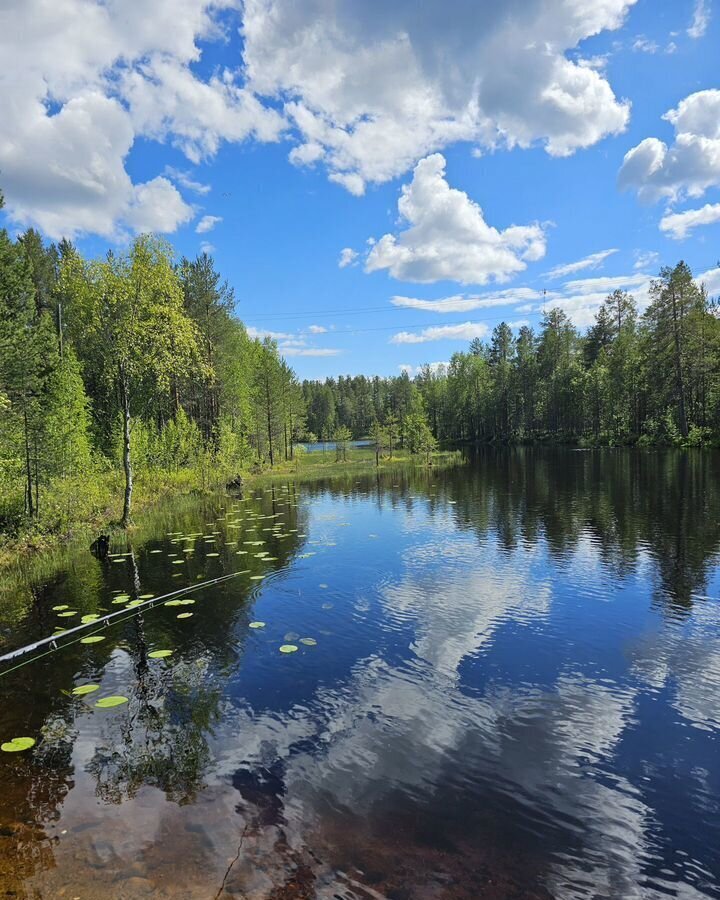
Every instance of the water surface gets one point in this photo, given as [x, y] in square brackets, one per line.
[514, 693]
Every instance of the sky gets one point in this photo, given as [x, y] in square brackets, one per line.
[379, 182]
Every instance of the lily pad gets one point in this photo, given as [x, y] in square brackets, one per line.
[309, 642]
[110, 702]
[60, 607]
[288, 648]
[256, 577]
[146, 596]
[17, 744]
[257, 625]
[160, 654]
[92, 639]
[291, 636]
[90, 617]
[83, 689]
[65, 615]
[184, 615]
[212, 554]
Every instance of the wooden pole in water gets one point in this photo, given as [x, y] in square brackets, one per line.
[105, 621]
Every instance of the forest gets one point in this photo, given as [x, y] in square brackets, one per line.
[650, 379]
[135, 369]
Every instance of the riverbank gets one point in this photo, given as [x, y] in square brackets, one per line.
[77, 510]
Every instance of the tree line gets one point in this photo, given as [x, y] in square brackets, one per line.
[134, 362]
[650, 379]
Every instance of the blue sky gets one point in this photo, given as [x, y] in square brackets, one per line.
[460, 160]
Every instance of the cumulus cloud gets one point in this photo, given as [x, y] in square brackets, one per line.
[317, 329]
[348, 257]
[447, 237]
[371, 89]
[690, 165]
[466, 331]
[81, 80]
[207, 223]
[207, 247]
[593, 261]
[679, 225]
[700, 19]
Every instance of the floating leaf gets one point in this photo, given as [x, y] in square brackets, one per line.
[61, 607]
[212, 554]
[187, 602]
[309, 642]
[327, 606]
[291, 636]
[17, 744]
[90, 617]
[178, 562]
[256, 577]
[184, 615]
[83, 689]
[146, 596]
[121, 598]
[257, 625]
[93, 639]
[160, 654]
[288, 648]
[173, 603]
[109, 702]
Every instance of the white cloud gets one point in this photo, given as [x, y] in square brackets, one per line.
[348, 257]
[412, 371]
[185, 179]
[80, 81]
[371, 90]
[207, 247]
[646, 259]
[465, 331]
[207, 223]
[593, 261]
[262, 333]
[700, 20]
[711, 280]
[606, 284]
[461, 303]
[643, 45]
[288, 350]
[690, 165]
[679, 225]
[447, 236]
[317, 329]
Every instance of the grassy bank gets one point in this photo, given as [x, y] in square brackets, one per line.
[75, 510]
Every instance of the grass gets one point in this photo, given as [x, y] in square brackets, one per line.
[75, 511]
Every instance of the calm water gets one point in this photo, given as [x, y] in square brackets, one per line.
[515, 693]
[329, 446]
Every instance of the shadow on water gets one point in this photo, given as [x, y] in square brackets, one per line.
[506, 683]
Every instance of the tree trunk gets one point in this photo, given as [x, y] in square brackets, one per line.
[127, 461]
[679, 370]
[269, 421]
[29, 504]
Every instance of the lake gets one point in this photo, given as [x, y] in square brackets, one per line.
[329, 446]
[506, 685]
